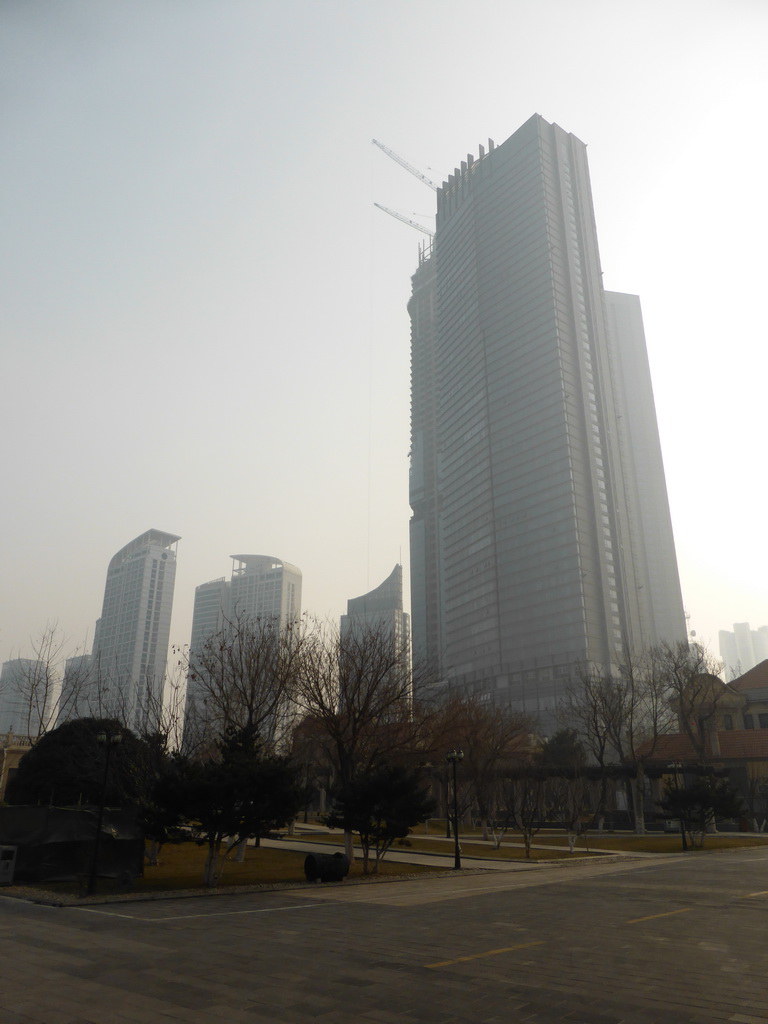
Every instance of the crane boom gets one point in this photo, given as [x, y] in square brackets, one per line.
[406, 220]
[404, 163]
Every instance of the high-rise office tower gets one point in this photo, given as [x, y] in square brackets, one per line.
[261, 587]
[375, 639]
[265, 587]
[381, 609]
[130, 644]
[26, 697]
[80, 694]
[211, 611]
[540, 535]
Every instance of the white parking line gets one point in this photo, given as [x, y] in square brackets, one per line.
[192, 917]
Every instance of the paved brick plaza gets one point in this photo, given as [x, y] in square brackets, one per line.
[668, 941]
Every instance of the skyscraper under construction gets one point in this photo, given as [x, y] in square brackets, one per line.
[541, 534]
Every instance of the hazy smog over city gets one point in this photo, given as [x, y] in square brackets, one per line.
[206, 326]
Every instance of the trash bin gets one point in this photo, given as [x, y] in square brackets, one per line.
[326, 867]
[7, 864]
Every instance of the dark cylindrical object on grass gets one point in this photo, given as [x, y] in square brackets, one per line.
[326, 867]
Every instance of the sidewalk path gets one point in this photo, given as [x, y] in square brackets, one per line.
[406, 855]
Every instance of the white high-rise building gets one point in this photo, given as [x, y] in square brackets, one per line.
[541, 535]
[261, 587]
[211, 611]
[743, 648]
[265, 587]
[130, 646]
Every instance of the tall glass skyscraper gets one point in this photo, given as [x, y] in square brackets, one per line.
[540, 534]
[130, 644]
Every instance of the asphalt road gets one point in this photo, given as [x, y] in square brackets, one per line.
[668, 941]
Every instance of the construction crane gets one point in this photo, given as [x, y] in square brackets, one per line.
[404, 163]
[406, 220]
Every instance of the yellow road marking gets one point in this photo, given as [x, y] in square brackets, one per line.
[490, 952]
[749, 894]
[652, 917]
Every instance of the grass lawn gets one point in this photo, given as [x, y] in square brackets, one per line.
[481, 848]
[626, 842]
[471, 846]
[421, 841]
[181, 867]
[655, 842]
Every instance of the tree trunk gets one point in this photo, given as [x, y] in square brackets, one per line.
[349, 848]
[210, 874]
[602, 800]
[484, 814]
[683, 833]
[637, 789]
[154, 853]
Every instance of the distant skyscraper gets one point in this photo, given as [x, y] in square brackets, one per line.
[742, 649]
[130, 646]
[380, 609]
[541, 534]
[211, 611]
[266, 588]
[261, 587]
[25, 697]
[80, 692]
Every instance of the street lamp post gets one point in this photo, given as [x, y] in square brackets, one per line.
[447, 779]
[677, 767]
[453, 757]
[110, 741]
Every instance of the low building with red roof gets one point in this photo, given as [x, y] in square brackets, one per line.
[728, 733]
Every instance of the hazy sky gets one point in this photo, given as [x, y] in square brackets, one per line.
[204, 320]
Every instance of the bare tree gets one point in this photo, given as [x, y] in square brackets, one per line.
[244, 677]
[586, 710]
[757, 794]
[357, 690]
[571, 798]
[622, 715]
[525, 799]
[490, 737]
[696, 692]
[45, 688]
